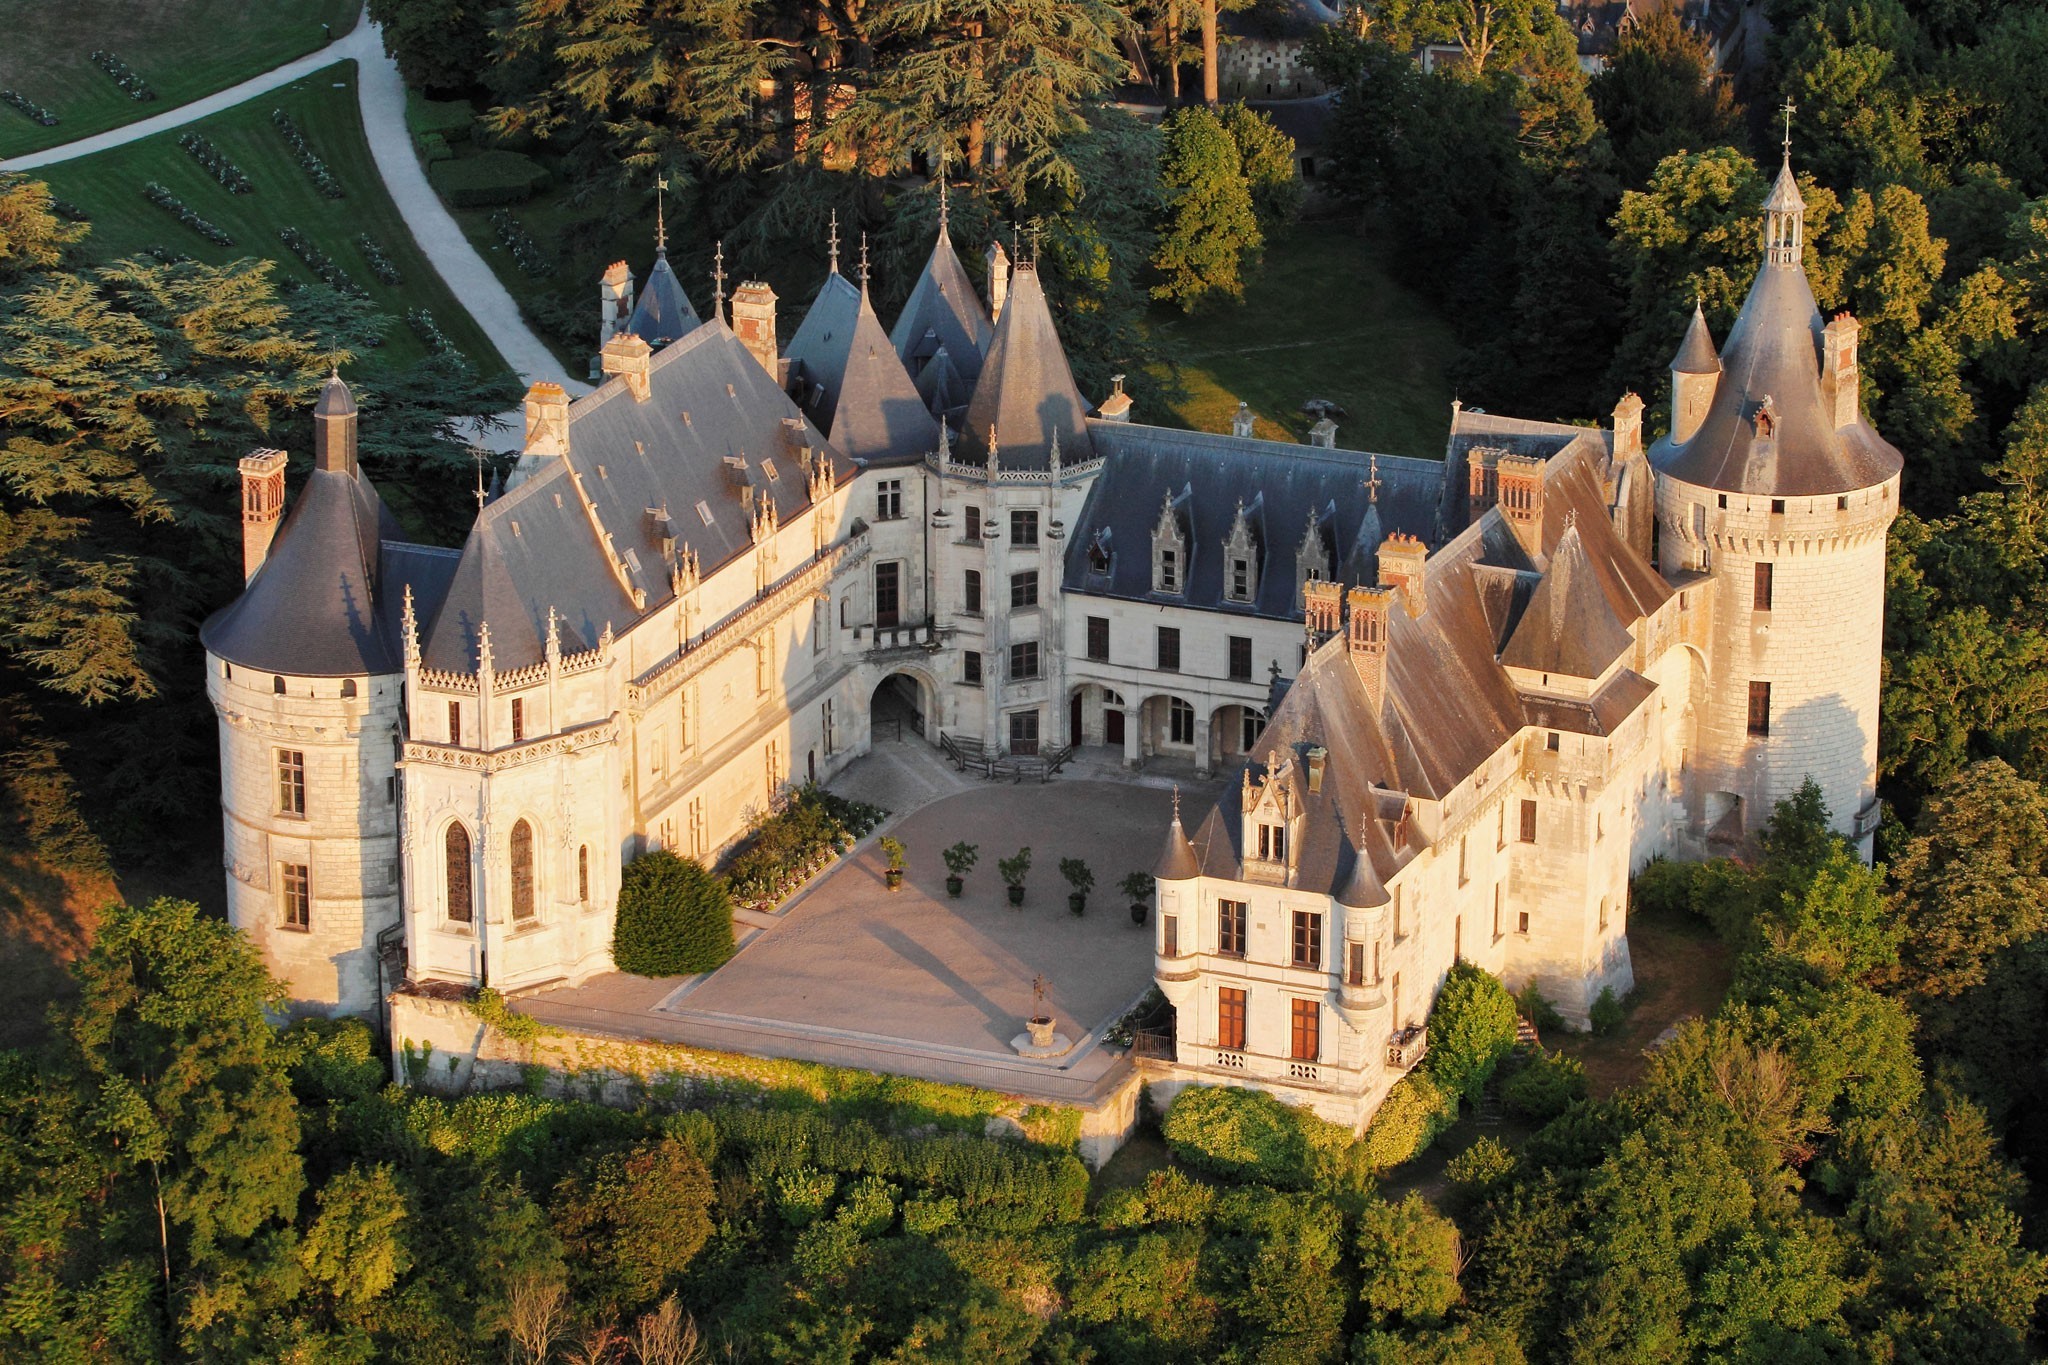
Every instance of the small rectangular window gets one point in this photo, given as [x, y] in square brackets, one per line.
[1240, 658]
[455, 723]
[1528, 822]
[1760, 708]
[1496, 913]
[1230, 1014]
[1024, 526]
[518, 721]
[1169, 649]
[1777, 507]
[1240, 580]
[1551, 741]
[970, 666]
[970, 593]
[1024, 590]
[1308, 939]
[1098, 638]
[1169, 572]
[889, 500]
[1354, 970]
[1522, 922]
[1307, 1034]
[1169, 936]
[1760, 598]
[1230, 916]
[1273, 843]
[1180, 722]
[1024, 659]
[295, 895]
[291, 782]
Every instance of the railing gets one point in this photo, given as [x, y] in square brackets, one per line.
[1302, 1071]
[1230, 1061]
[1156, 1044]
[1407, 1047]
[918, 638]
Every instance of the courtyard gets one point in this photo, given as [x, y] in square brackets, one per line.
[913, 981]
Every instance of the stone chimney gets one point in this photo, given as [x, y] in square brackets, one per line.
[1521, 499]
[1402, 560]
[1365, 640]
[1241, 421]
[753, 322]
[262, 506]
[628, 357]
[1840, 382]
[998, 280]
[1482, 487]
[1116, 407]
[1628, 429]
[1322, 609]
[614, 301]
[1324, 434]
[547, 419]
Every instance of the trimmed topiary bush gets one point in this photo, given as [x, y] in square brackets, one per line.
[674, 917]
[1471, 1027]
[1250, 1135]
[1547, 1086]
[1415, 1111]
[488, 178]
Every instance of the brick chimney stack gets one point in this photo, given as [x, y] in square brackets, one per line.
[1520, 480]
[547, 419]
[1366, 640]
[614, 301]
[628, 357]
[1628, 429]
[753, 322]
[1840, 381]
[1322, 609]
[262, 506]
[1402, 559]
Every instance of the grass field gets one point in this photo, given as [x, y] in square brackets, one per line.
[1325, 318]
[182, 48]
[108, 187]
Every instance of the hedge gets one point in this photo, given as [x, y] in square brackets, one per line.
[1250, 1135]
[1415, 1111]
[450, 119]
[674, 917]
[434, 147]
[488, 178]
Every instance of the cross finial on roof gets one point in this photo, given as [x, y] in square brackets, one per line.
[718, 282]
[1788, 109]
[660, 216]
[835, 242]
[1372, 483]
[476, 452]
[1036, 230]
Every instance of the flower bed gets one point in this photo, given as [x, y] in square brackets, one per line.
[426, 329]
[29, 108]
[526, 253]
[319, 262]
[216, 163]
[798, 840]
[171, 204]
[380, 264]
[123, 75]
[309, 161]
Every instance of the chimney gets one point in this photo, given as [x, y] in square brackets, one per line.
[753, 322]
[998, 280]
[1482, 486]
[262, 505]
[1241, 420]
[1521, 499]
[1322, 609]
[1366, 640]
[1401, 569]
[547, 419]
[1116, 407]
[1628, 429]
[1324, 434]
[1840, 384]
[628, 357]
[614, 301]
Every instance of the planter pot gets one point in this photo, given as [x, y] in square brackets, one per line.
[954, 886]
[1078, 903]
[1138, 912]
[894, 877]
[1040, 1028]
[1016, 895]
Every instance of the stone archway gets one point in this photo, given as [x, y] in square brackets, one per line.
[1233, 730]
[903, 705]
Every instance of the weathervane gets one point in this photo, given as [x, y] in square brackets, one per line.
[476, 452]
[1788, 110]
[660, 217]
[1372, 483]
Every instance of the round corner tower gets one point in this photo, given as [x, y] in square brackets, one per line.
[302, 676]
[1774, 498]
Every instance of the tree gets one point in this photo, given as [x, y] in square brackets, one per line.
[1267, 157]
[1409, 1260]
[1210, 228]
[1658, 96]
[440, 45]
[355, 1249]
[633, 1221]
[673, 917]
[1471, 1027]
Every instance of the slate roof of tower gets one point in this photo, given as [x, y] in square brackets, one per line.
[1696, 353]
[853, 384]
[943, 310]
[1279, 484]
[535, 548]
[1026, 390]
[663, 313]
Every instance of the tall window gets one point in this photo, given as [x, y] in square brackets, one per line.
[1354, 967]
[1528, 822]
[1240, 580]
[1761, 598]
[970, 668]
[1240, 658]
[1024, 526]
[970, 593]
[518, 721]
[522, 871]
[296, 895]
[461, 896]
[1760, 708]
[1169, 571]
[973, 531]
[1169, 649]
[583, 873]
[1023, 590]
[1180, 722]
[1024, 659]
[1169, 936]
[888, 593]
[1250, 724]
[1230, 928]
[1273, 843]
[291, 782]
[1230, 1019]
[1308, 939]
[889, 500]
[1098, 638]
[455, 723]
[1307, 1033]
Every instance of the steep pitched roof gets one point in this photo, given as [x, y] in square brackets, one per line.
[1026, 392]
[853, 384]
[1696, 353]
[1569, 626]
[943, 311]
[663, 313]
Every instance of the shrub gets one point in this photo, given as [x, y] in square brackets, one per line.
[1407, 1262]
[1167, 1196]
[869, 1207]
[1544, 1088]
[1540, 1012]
[451, 120]
[961, 858]
[488, 178]
[633, 1221]
[1479, 1169]
[674, 917]
[1409, 1119]
[1607, 1013]
[1471, 1027]
[334, 1061]
[1663, 887]
[802, 1194]
[1250, 1135]
[929, 1215]
[434, 147]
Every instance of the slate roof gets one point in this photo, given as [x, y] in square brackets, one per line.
[1569, 626]
[852, 383]
[663, 313]
[535, 548]
[1026, 391]
[1696, 353]
[943, 311]
[1279, 484]
[1473, 428]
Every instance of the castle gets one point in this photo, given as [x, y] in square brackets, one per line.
[1460, 700]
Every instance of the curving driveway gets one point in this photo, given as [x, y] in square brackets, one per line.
[381, 93]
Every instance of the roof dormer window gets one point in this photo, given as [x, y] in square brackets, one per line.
[1241, 560]
[1169, 550]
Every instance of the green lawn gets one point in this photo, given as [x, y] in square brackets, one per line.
[108, 187]
[1324, 318]
[182, 48]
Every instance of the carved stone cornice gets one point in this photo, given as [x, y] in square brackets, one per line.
[422, 753]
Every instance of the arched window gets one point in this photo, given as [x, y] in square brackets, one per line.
[522, 871]
[348, 687]
[583, 873]
[461, 900]
[277, 685]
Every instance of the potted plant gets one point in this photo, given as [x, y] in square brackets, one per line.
[1039, 1025]
[1014, 871]
[960, 860]
[1137, 889]
[892, 849]
[1082, 878]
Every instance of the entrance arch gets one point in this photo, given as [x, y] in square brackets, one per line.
[1170, 726]
[1233, 730]
[904, 703]
[1095, 715]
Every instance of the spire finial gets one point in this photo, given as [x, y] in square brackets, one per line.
[660, 216]
[943, 206]
[835, 242]
[1176, 803]
[1788, 109]
[476, 452]
[863, 259]
[718, 282]
[1372, 483]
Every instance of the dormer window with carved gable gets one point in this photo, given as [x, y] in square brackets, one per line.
[1270, 815]
[1312, 556]
[1169, 550]
[1241, 558]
